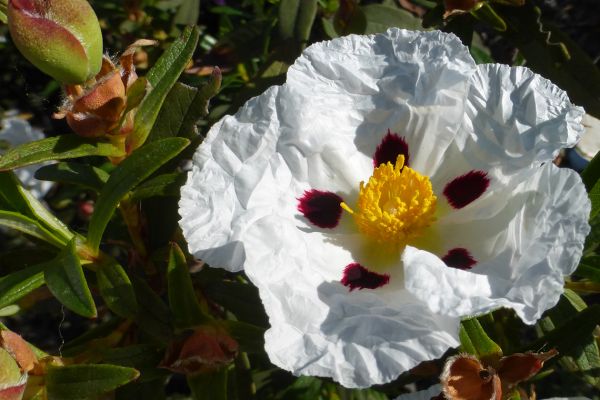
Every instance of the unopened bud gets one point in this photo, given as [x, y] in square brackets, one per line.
[60, 37]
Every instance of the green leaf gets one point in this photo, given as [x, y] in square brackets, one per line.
[183, 302]
[251, 338]
[474, 340]
[209, 385]
[381, 17]
[131, 172]
[288, 11]
[16, 198]
[84, 175]
[184, 106]
[56, 148]
[76, 382]
[296, 19]
[18, 284]
[162, 77]
[160, 186]
[569, 335]
[26, 225]
[594, 196]
[64, 277]
[116, 289]
[591, 174]
[240, 299]
[589, 268]
[487, 14]
[153, 315]
[584, 358]
[188, 12]
[143, 357]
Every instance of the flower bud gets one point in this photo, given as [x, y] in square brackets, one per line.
[60, 37]
[16, 359]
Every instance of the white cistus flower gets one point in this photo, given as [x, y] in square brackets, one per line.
[389, 187]
[15, 131]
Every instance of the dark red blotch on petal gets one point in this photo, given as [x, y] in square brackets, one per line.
[389, 149]
[358, 277]
[459, 258]
[321, 208]
[466, 188]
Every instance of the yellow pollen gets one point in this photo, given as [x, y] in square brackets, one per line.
[396, 205]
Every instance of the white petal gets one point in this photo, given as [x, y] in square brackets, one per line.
[524, 244]
[515, 118]
[318, 327]
[413, 83]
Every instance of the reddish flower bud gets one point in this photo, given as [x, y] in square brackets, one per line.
[16, 359]
[60, 37]
[465, 378]
[208, 348]
[522, 366]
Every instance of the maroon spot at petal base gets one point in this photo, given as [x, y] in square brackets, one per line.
[467, 188]
[321, 208]
[459, 258]
[389, 149]
[358, 277]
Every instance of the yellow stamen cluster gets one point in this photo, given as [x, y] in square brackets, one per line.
[395, 205]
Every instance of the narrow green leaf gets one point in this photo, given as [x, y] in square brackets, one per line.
[182, 298]
[305, 19]
[55, 148]
[18, 284]
[251, 338]
[209, 385]
[584, 357]
[76, 382]
[487, 14]
[591, 174]
[184, 106]
[381, 17]
[26, 225]
[153, 315]
[131, 172]
[143, 357]
[160, 186]
[116, 289]
[64, 277]
[569, 335]
[188, 12]
[15, 197]
[589, 268]
[84, 175]
[594, 196]
[288, 12]
[475, 341]
[162, 77]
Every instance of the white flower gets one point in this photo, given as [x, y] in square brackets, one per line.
[15, 131]
[363, 291]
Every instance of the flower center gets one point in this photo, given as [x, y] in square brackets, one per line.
[396, 205]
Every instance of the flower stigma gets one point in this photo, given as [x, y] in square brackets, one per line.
[395, 205]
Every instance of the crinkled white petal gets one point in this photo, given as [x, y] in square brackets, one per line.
[320, 131]
[524, 245]
[426, 394]
[318, 328]
[238, 207]
[16, 131]
[515, 119]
